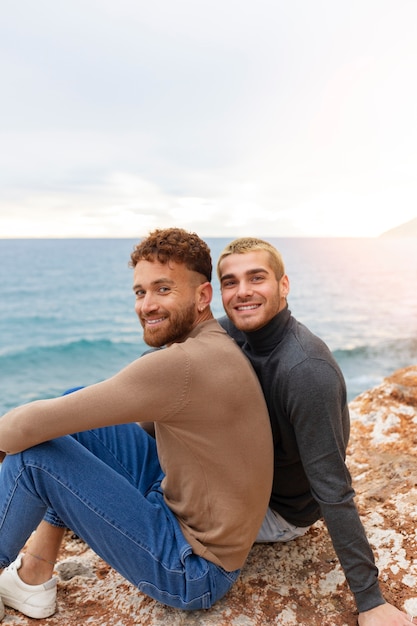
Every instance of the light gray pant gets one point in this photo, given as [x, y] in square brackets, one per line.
[276, 528]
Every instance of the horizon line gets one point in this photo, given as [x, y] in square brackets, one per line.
[43, 237]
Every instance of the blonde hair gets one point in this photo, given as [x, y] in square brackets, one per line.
[244, 245]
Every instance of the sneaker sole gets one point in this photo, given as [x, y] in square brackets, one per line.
[36, 612]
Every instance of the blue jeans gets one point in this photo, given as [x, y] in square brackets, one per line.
[104, 485]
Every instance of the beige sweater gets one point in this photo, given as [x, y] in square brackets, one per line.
[212, 431]
[214, 443]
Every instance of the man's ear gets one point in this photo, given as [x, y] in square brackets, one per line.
[204, 295]
[285, 286]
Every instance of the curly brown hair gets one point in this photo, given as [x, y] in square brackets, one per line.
[175, 244]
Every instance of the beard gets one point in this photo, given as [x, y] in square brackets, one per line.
[175, 328]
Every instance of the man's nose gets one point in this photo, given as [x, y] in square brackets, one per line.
[147, 303]
[244, 289]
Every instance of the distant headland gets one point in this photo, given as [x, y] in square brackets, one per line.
[409, 229]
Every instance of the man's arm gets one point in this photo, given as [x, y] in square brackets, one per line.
[320, 420]
[42, 420]
[319, 429]
[133, 395]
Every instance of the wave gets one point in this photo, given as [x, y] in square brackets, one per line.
[366, 366]
[393, 347]
[70, 348]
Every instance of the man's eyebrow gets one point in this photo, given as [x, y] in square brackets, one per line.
[226, 276]
[158, 281]
[255, 270]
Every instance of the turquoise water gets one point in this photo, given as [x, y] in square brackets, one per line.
[67, 318]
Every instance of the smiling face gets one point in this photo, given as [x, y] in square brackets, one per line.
[170, 300]
[251, 293]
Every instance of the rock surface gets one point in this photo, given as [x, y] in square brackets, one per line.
[299, 583]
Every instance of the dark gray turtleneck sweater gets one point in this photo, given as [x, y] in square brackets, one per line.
[306, 396]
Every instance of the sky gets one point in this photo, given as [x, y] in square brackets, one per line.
[284, 118]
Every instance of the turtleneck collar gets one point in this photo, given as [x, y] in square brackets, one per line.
[265, 339]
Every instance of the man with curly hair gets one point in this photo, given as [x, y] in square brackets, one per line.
[177, 514]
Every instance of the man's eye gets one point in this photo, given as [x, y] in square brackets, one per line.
[228, 283]
[163, 289]
[139, 293]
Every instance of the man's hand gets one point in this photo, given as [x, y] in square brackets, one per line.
[385, 615]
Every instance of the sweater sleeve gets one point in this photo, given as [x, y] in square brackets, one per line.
[320, 420]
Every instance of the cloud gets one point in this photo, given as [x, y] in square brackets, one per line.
[235, 118]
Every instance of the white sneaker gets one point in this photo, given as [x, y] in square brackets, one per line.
[36, 601]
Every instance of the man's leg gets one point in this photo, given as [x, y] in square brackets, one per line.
[117, 448]
[22, 585]
[41, 554]
[131, 528]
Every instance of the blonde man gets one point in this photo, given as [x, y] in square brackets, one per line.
[306, 396]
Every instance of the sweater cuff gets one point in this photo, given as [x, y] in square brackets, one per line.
[369, 598]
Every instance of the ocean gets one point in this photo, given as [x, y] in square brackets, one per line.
[67, 316]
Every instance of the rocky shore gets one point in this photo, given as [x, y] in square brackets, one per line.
[300, 583]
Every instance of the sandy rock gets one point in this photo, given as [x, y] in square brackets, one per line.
[299, 583]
